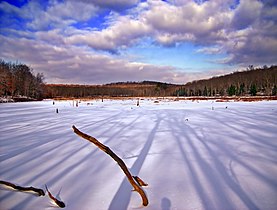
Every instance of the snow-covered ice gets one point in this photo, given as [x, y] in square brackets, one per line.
[194, 155]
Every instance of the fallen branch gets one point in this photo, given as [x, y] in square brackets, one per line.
[40, 192]
[58, 202]
[118, 160]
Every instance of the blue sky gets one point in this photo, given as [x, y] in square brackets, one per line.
[176, 41]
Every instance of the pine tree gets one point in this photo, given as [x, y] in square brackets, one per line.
[231, 90]
[253, 90]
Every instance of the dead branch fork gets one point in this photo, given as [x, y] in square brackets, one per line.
[118, 160]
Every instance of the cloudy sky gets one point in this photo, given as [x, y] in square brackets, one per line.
[103, 41]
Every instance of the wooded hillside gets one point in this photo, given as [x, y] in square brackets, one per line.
[121, 89]
[261, 81]
[17, 79]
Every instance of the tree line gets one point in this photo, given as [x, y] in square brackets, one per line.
[251, 82]
[121, 89]
[19, 80]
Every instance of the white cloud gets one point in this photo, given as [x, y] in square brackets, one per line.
[200, 23]
[8, 8]
[169, 39]
[251, 47]
[206, 23]
[168, 24]
[113, 4]
[56, 14]
[121, 33]
[247, 12]
[75, 10]
[210, 50]
[246, 33]
[69, 64]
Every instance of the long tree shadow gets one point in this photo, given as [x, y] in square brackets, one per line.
[243, 123]
[212, 168]
[74, 166]
[206, 169]
[257, 142]
[270, 181]
[221, 169]
[122, 197]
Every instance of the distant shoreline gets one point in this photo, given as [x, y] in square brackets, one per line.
[171, 98]
[175, 98]
[17, 99]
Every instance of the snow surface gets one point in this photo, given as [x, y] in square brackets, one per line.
[193, 155]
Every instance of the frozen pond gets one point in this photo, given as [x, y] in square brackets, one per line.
[193, 155]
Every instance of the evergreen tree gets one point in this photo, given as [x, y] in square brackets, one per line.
[253, 90]
[231, 90]
[242, 89]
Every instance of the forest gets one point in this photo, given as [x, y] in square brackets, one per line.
[18, 80]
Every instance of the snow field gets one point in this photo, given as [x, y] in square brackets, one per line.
[193, 155]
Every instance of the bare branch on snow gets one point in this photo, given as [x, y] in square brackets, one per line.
[40, 192]
[120, 162]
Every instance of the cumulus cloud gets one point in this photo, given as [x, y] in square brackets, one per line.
[56, 14]
[122, 33]
[251, 47]
[181, 19]
[245, 32]
[168, 24]
[117, 5]
[246, 13]
[47, 38]
[207, 23]
[255, 41]
[67, 64]
[189, 21]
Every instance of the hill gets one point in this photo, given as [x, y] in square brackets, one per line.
[119, 89]
[260, 81]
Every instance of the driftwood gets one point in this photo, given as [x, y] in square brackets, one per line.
[40, 192]
[120, 162]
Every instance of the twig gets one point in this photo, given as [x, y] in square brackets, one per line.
[58, 202]
[140, 181]
[118, 160]
[40, 192]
